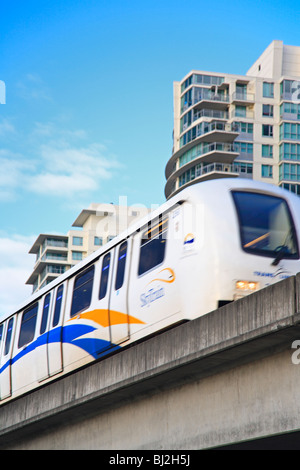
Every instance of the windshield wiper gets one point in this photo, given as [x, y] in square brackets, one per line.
[282, 251]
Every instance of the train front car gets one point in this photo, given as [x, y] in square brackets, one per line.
[250, 239]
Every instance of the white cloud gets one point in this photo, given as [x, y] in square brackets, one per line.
[16, 266]
[69, 170]
[57, 165]
[13, 167]
[49, 129]
[32, 87]
[6, 127]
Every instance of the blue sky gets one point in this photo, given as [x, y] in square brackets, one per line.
[89, 103]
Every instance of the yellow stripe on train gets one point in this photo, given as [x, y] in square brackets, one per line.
[104, 319]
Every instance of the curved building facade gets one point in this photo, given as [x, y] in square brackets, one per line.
[232, 125]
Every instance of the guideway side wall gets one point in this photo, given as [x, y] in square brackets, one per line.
[223, 378]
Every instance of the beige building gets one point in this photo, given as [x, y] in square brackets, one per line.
[239, 125]
[95, 226]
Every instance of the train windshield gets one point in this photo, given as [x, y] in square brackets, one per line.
[266, 225]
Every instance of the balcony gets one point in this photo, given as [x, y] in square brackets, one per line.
[214, 171]
[210, 113]
[293, 116]
[52, 271]
[223, 152]
[239, 98]
[211, 100]
[43, 242]
[218, 132]
[198, 173]
[219, 151]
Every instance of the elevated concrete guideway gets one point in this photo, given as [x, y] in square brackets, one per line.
[222, 379]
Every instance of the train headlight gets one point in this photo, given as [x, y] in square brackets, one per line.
[246, 285]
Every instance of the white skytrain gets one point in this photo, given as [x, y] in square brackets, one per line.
[212, 243]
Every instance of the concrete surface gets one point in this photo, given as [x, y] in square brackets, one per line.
[223, 378]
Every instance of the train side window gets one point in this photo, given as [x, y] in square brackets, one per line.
[58, 302]
[8, 336]
[45, 313]
[82, 292]
[28, 323]
[121, 266]
[153, 245]
[104, 276]
[1, 334]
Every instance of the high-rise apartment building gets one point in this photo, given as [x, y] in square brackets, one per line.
[97, 225]
[239, 125]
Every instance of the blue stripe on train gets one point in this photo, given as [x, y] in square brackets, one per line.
[68, 334]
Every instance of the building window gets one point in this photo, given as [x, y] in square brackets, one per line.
[98, 241]
[267, 130]
[77, 255]
[292, 109]
[290, 90]
[268, 90]
[267, 151]
[290, 131]
[289, 151]
[243, 147]
[289, 171]
[245, 127]
[240, 111]
[243, 168]
[77, 241]
[293, 188]
[267, 110]
[267, 171]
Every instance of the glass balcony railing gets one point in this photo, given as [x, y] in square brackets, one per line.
[211, 96]
[210, 113]
[242, 96]
[204, 128]
[55, 270]
[54, 256]
[205, 95]
[54, 243]
[204, 149]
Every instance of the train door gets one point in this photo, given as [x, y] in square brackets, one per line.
[54, 346]
[2, 332]
[154, 289]
[42, 358]
[118, 304]
[5, 358]
[106, 272]
[26, 351]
